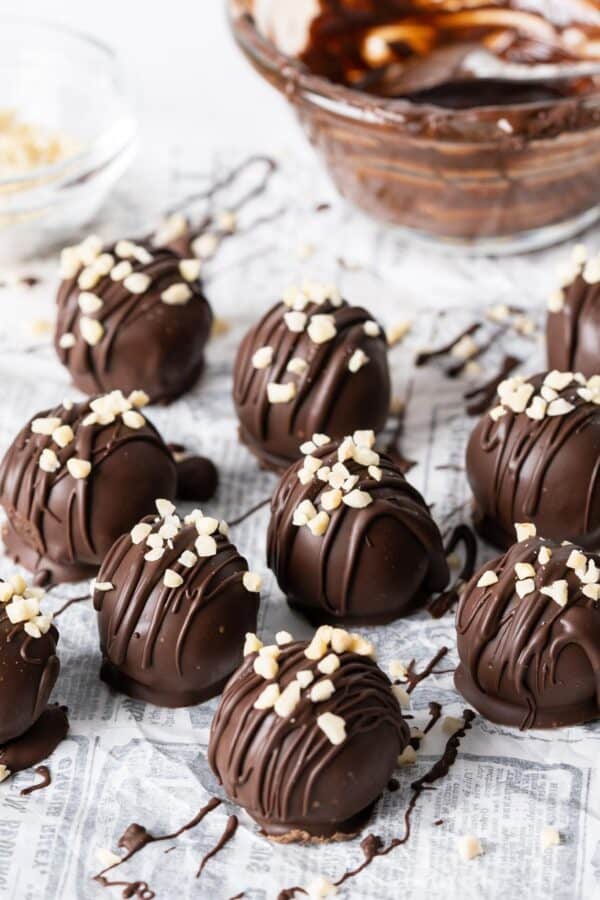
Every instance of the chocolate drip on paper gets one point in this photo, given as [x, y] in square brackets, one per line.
[38, 743]
[396, 505]
[414, 678]
[230, 830]
[250, 512]
[44, 773]
[426, 356]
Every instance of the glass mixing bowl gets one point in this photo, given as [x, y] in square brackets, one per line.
[66, 84]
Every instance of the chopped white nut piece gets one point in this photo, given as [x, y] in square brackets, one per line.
[138, 283]
[206, 546]
[329, 664]
[549, 837]
[107, 858]
[307, 448]
[288, 700]
[133, 419]
[63, 435]
[330, 500]
[22, 609]
[358, 499]
[320, 888]
[497, 412]
[79, 468]
[70, 262]
[227, 221]
[297, 366]
[295, 321]
[576, 560]
[176, 294]
[104, 263]
[537, 409]
[524, 570]
[305, 677]
[341, 640]
[371, 329]
[140, 532]
[205, 246]
[164, 507]
[89, 249]
[189, 269]
[333, 727]
[282, 638]
[469, 847]
[401, 695]
[592, 591]
[560, 407]
[303, 513]
[317, 648]
[498, 313]
[124, 249]
[365, 457]
[525, 530]
[408, 757]
[251, 644]
[358, 359]
[48, 461]
[556, 301]
[398, 670]
[262, 358]
[154, 555]
[591, 575]
[346, 450]
[319, 525]
[92, 331]
[364, 438]
[46, 425]
[361, 646]
[89, 303]
[558, 381]
[19, 585]
[524, 588]
[268, 697]
[322, 691]
[281, 393]
[518, 399]
[155, 540]
[252, 582]
[591, 273]
[67, 340]
[266, 666]
[172, 579]
[375, 472]
[322, 328]
[579, 254]
[465, 348]
[206, 524]
[88, 279]
[451, 724]
[188, 559]
[172, 228]
[397, 332]
[487, 579]
[557, 591]
[544, 556]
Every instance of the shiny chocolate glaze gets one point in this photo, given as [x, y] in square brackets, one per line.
[284, 771]
[546, 472]
[329, 397]
[372, 565]
[573, 329]
[147, 344]
[172, 646]
[60, 527]
[529, 662]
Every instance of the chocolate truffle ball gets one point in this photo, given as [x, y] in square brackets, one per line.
[312, 364]
[75, 478]
[528, 628]
[534, 458]
[573, 326]
[131, 316]
[28, 662]
[350, 540]
[307, 735]
[174, 601]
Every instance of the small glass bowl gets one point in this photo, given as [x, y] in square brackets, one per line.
[71, 85]
[496, 179]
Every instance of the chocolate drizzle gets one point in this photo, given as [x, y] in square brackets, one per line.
[346, 575]
[414, 678]
[60, 527]
[173, 646]
[147, 344]
[44, 773]
[481, 398]
[285, 771]
[230, 830]
[443, 603]
[426, 356]
[573, 333]
[329, 398]
[530, 662]
[546, 472]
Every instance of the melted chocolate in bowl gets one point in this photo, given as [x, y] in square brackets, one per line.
[410, 136]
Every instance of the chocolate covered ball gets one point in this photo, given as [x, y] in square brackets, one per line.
[75, 478]
[29, 665]
[312, 364]
[573, 325]
[528, 627]
[174, 600]
[350, 540]
[534, 458]
[307, 735]
[131, 316]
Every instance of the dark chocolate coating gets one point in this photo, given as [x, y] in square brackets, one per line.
[284, 771]
[39, 742]
[147, 344]
[545, 472]
[530, 662]
[28, 671]
[60, 527]
[329, 398]
[573, 333]
[197, 479]
[372, 565]
[173, 646]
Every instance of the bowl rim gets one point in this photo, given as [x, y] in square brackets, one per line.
[69, 168]
[476, 124]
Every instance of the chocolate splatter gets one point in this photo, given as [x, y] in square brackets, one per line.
[458, 368]
[250, 512]
[230, 830]
[44, 773]
[481, 398]
[425, 356]
[435, 713]
[69, 603]
[414, 678]
[444, 602]
[138, 889]
[393, 785]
